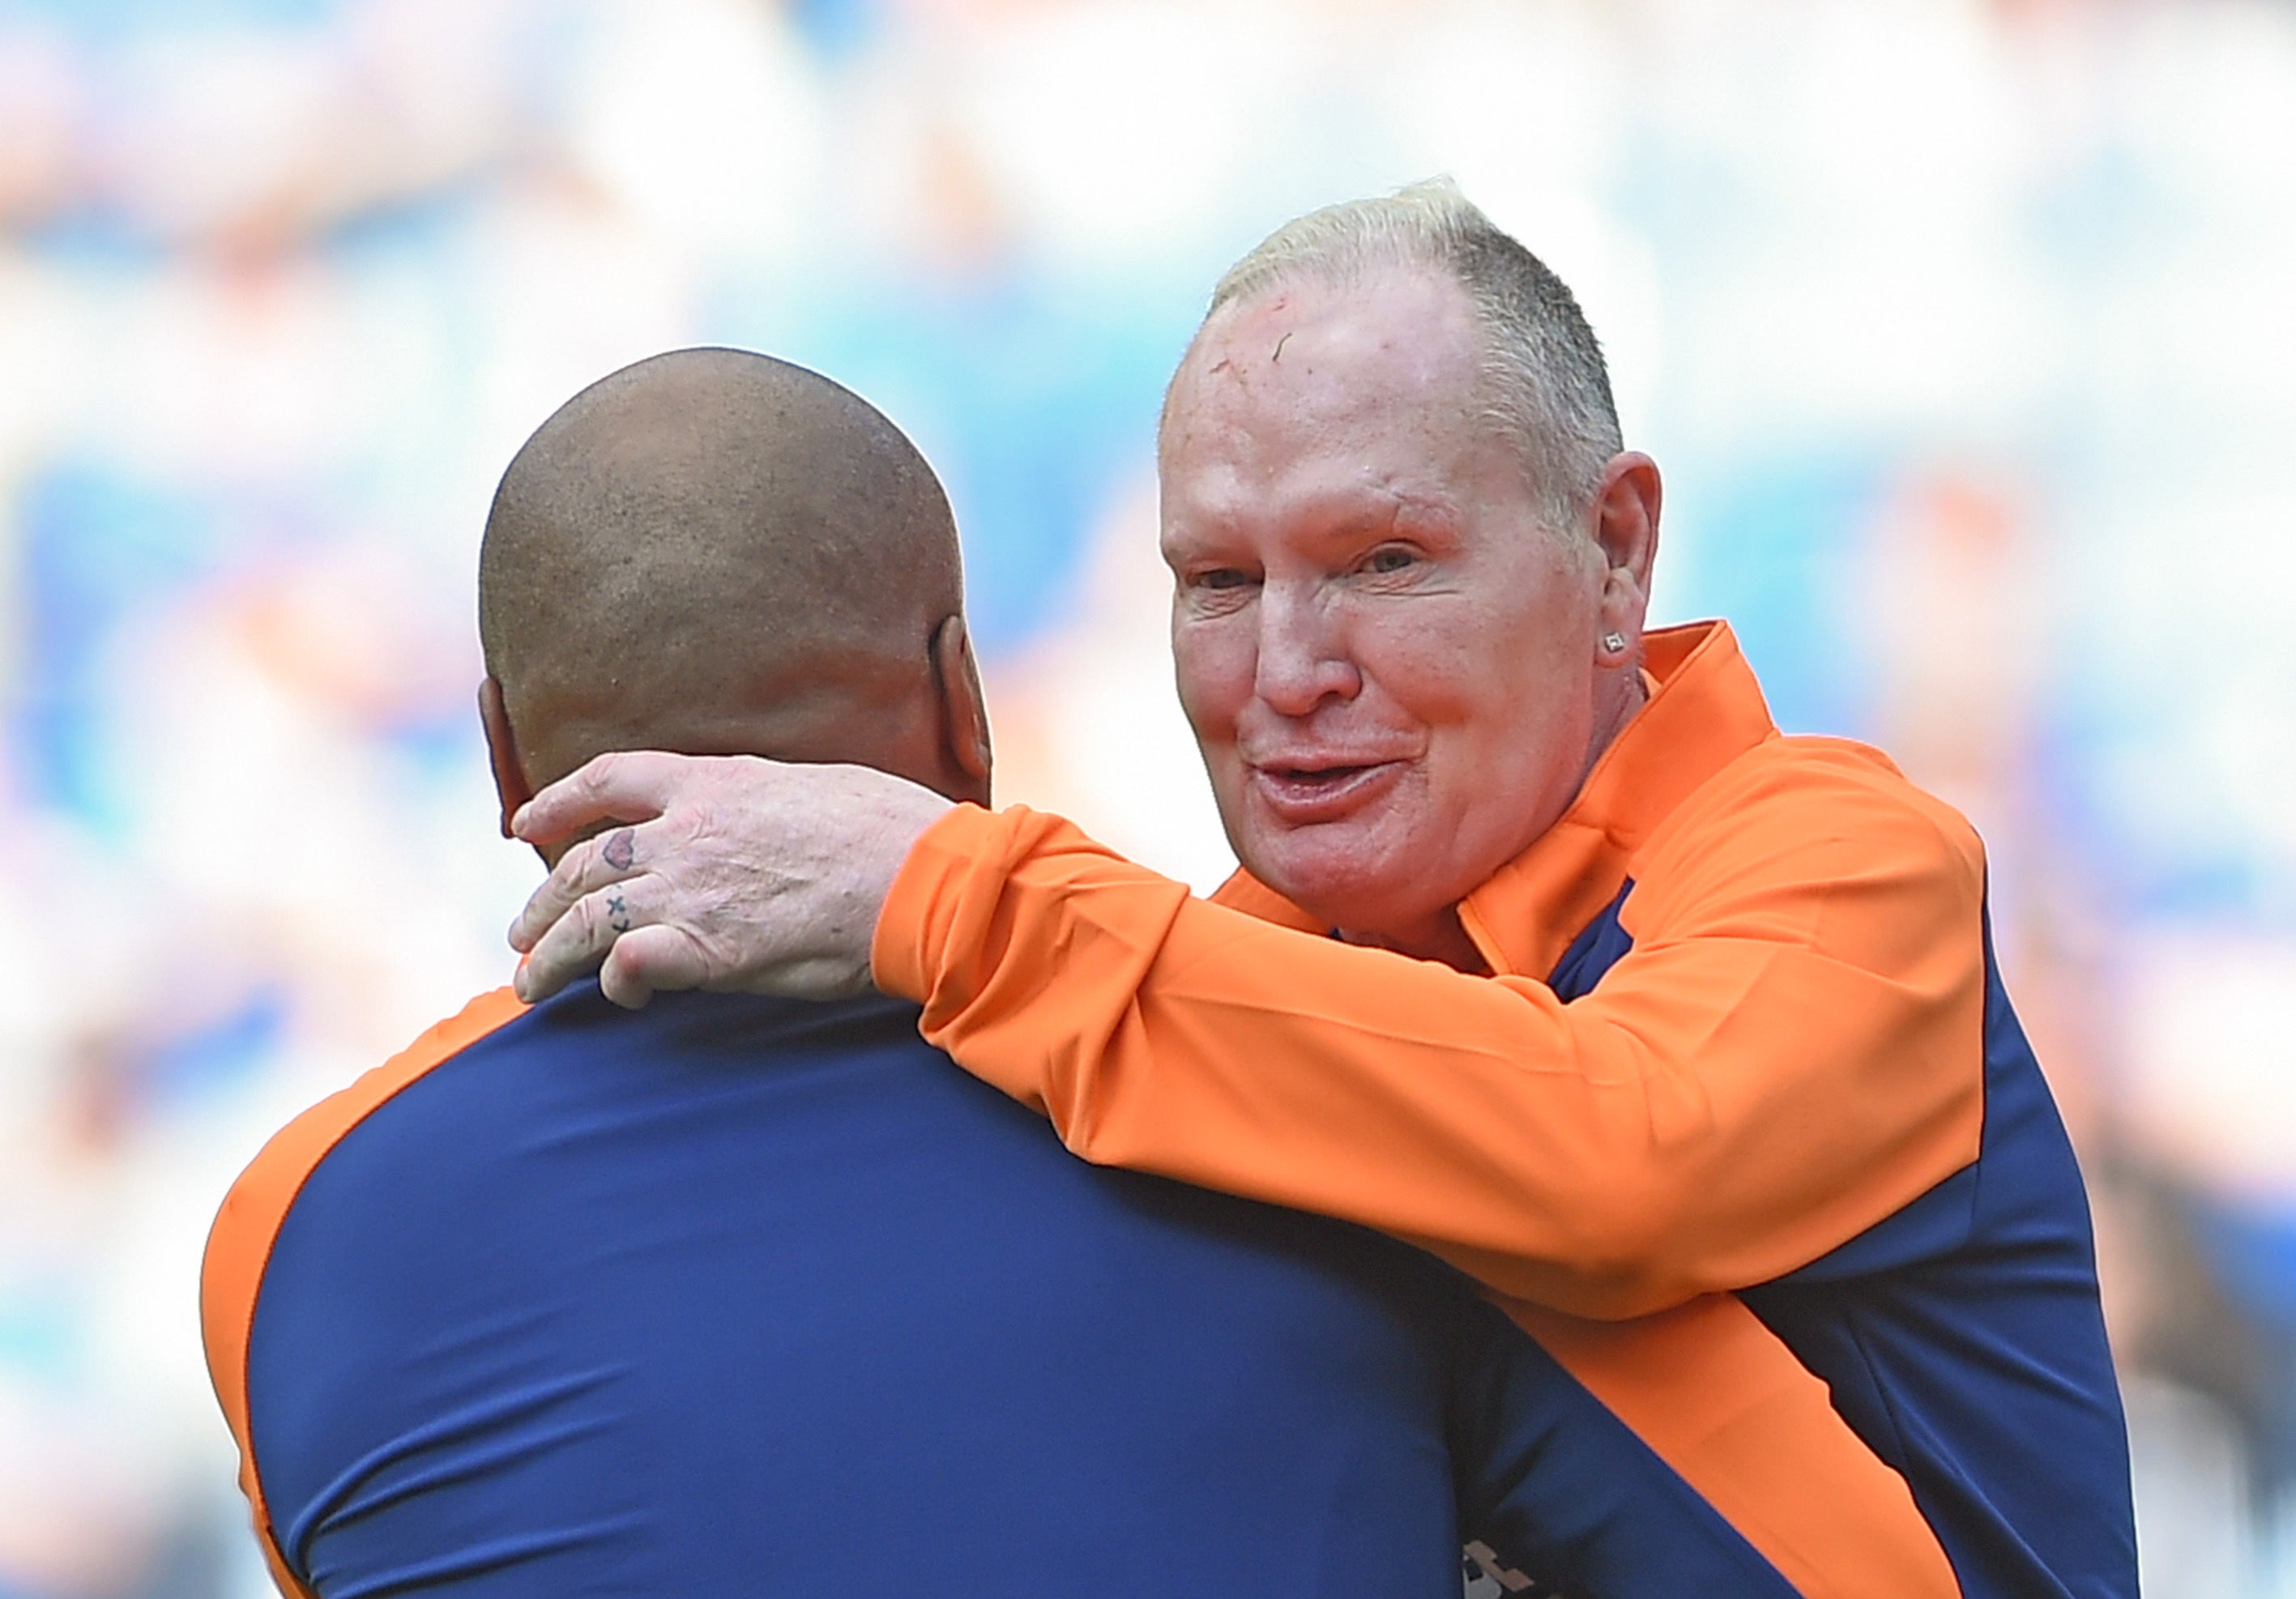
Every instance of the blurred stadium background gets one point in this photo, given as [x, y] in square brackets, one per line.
[1965, 333]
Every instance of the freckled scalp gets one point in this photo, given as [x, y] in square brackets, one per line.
[702, 530]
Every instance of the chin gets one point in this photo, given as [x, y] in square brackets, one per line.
[1342, 881]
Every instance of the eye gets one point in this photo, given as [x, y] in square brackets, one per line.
[1391, 558]
[1220, 577]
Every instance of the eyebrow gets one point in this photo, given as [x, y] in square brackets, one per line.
[1408, 511]
[1380, 518]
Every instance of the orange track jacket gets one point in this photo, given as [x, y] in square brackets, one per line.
[1787, 1048]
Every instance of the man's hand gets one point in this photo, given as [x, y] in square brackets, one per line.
[725, 871]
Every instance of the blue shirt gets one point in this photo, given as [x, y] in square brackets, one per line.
[739, 1296]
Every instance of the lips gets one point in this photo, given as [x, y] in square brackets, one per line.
[1307, 792]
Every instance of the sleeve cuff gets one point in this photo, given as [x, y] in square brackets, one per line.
[905, 952]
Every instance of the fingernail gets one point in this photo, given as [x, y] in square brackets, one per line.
[518, 818]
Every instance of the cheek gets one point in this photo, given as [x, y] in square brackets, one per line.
[1213, 667]
[1524, 746]
[1501, 711]
[1430, 675]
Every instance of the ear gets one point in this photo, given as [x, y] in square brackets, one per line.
[502, 750]
[964, 710]
[1626, 512]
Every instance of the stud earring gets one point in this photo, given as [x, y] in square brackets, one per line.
[1615, 643]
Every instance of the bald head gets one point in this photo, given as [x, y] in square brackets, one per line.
[713, 552]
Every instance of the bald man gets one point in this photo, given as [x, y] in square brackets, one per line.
[761, 1296]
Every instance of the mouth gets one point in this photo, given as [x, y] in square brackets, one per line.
[1302, 793]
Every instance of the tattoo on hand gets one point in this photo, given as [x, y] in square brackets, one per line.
[621, 850]
[617, 914]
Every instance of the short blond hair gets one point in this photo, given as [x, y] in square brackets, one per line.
[1545, 382]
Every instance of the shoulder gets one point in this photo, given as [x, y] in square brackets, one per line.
[239, 1242]
[1814, 813]
[263, 1190]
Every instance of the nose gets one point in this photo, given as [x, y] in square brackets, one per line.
[1303, 658]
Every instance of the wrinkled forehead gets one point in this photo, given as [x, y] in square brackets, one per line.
[1396, 341]
[1388, 369]
[1322, 391]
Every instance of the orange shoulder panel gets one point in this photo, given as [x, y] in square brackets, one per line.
[239, 1244]
[1720, 1398]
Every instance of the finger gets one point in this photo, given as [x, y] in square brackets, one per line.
[590, 866]
[648, 961]
[626, 785]
[578, 941]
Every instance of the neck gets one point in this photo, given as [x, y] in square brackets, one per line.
[1631, 697]
[1444, 938]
